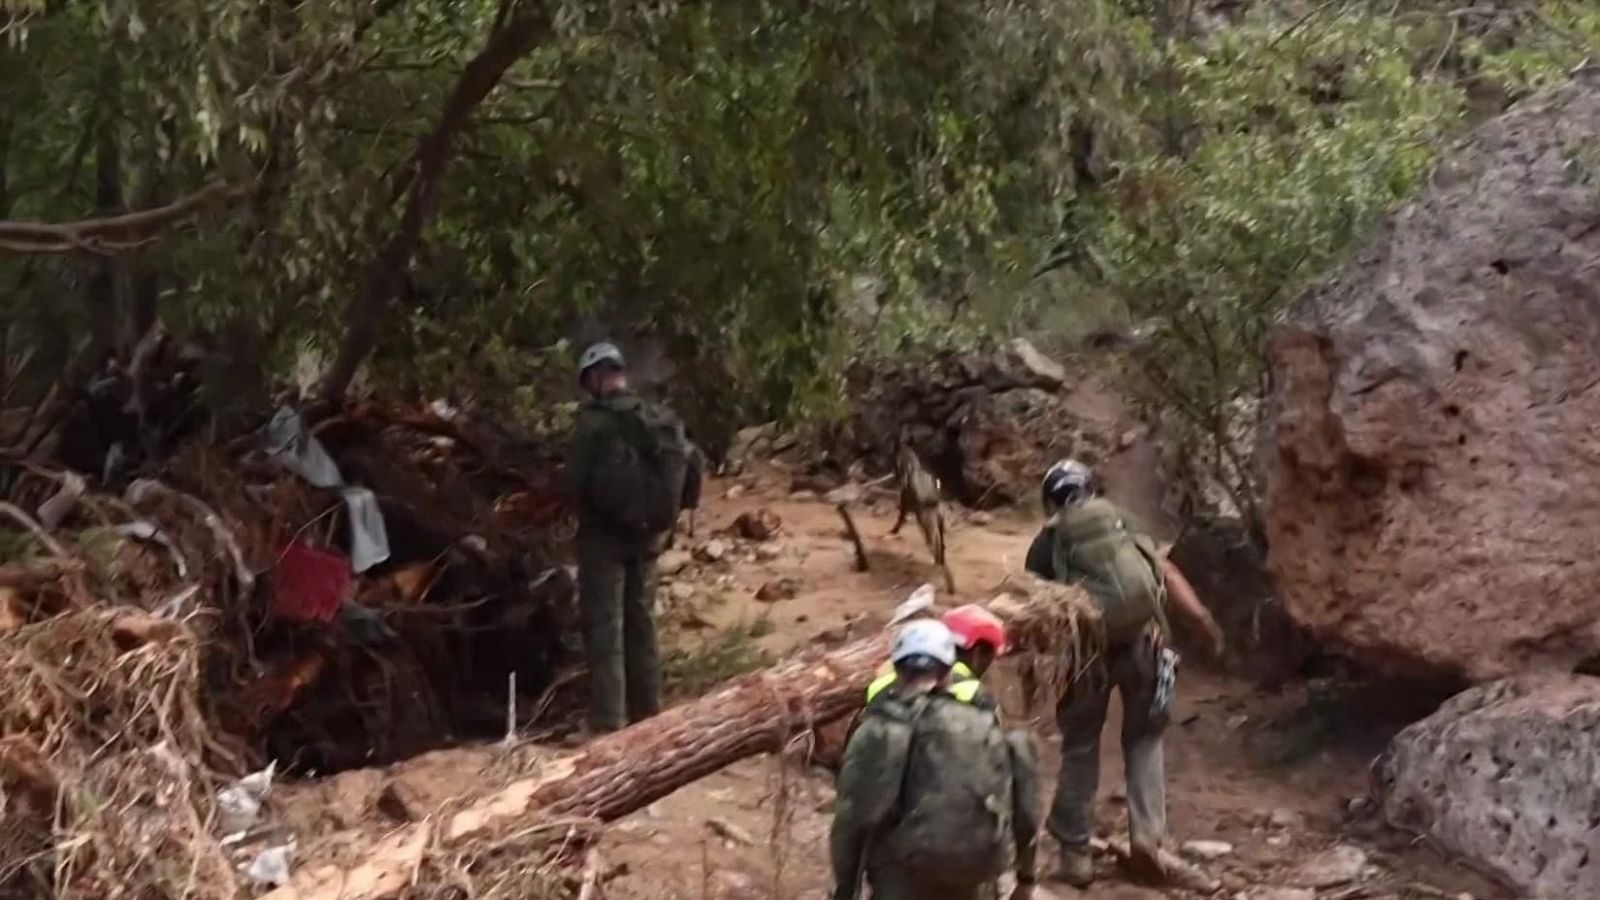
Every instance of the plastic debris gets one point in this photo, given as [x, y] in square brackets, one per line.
[309, 585]
[296, 450]
[239, 804]
[920, 601]
[271, 866]
[369, 539]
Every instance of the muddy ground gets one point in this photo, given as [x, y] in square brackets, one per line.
[1279, 775]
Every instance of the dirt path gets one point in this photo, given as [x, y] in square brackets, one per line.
[1264, 773]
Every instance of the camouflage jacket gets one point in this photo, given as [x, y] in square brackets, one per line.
[874, 777]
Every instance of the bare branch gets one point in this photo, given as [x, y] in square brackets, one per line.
[112, 234]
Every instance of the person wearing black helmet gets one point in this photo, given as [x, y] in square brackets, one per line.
[1092, 542]
[627, 469]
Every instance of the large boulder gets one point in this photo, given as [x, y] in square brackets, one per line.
[1507, 775]
[1434, 461]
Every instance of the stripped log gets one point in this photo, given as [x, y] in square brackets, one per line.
[625, 771]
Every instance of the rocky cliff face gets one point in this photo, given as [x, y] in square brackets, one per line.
[1505, 776]
[1434, 464]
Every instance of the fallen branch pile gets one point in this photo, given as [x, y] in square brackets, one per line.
[764, 712]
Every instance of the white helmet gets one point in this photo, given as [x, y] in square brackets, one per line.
[928, 638]
[603, 352]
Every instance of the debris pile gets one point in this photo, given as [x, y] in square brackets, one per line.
[985, 423]
[166, 635]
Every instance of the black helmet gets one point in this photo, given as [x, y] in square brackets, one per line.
[1065, 482]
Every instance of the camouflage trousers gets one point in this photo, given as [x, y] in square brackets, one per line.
[616, 597]
[1131, 669]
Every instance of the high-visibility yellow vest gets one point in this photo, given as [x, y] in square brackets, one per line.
[963, 684]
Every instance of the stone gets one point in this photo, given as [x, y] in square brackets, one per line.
[1503, 775]
[726, 884]
[1429, 460]
[1206, 850]
[1287, 818]
[1281, 893]
[681, 591]
[712, 551]
[775, 591]
[735, 492]
[671, 562]
[758, 525]
[1338, 865]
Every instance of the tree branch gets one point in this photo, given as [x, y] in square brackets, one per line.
[111, 234]
[385, 276]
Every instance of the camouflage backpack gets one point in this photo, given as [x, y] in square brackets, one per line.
[953, 822]
[638, 484]
[1097, 547]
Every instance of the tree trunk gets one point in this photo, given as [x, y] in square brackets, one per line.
[626, 771]
[386, 276]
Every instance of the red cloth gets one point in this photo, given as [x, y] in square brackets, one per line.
[309, 585]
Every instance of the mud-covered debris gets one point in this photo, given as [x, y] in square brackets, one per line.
[400, 804]
[758, 525]
[271, 866]
[239, 804]
[730, 832]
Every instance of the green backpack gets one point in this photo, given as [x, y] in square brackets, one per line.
[953, 822]
[638, 483]
[1096, 547]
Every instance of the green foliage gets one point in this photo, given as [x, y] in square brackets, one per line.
[1292, 143]
[721, 178]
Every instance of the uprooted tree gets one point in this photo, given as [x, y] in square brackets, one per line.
[623, 772]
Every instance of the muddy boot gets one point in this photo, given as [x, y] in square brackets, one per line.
[1077, 867]
[1146, 864]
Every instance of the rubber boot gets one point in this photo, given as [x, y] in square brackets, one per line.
[1077, 867]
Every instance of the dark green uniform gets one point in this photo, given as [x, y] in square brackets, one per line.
[1130, 667]
[616, 583]
[880, 771]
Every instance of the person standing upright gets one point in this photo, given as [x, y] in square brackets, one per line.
[627, 468]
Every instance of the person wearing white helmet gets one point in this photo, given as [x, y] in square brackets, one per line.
[1092, 542]
[935, 799]
[630, 470]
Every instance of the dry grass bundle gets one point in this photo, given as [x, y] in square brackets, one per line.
[1054, 628]
[539, 862]
[102, 761]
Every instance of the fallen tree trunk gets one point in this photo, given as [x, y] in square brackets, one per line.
[630, 769]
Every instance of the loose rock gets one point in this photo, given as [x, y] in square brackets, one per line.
[1206, 850]
[671, 562]
[1504, 775]
[1338, 865]
[712, 551]
[760, 525]
[774, 591]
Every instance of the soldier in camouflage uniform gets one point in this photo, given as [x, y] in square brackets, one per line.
[935, 799]
[616, 563]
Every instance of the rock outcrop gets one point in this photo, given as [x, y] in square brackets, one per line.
[1507, 775]
[1434, 463]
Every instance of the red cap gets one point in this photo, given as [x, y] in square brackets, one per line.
[972, 624]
